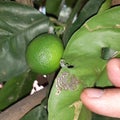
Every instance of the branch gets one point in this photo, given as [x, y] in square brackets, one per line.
[25, 2]
[18, 110]
[115, 2]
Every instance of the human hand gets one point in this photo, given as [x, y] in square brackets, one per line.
[105, 102]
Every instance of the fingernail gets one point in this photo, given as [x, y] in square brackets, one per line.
[94, 93]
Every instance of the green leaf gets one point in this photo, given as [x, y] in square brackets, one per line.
[106, 5]
[15, 89]
[64, 99]
[94, 35]
[89, 9]
[83, 52]
[85, 114]
[53, 8]
[70, 3]
[19, 24]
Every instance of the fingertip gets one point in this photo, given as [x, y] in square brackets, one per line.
[92, 93]
[113, 70]
[106, 103]
[90, 96]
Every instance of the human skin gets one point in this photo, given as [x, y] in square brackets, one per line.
[105, 101]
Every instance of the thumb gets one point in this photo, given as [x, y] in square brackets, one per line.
[113, 70]
[105, 102]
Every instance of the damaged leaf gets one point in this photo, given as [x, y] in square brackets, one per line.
[83, 51]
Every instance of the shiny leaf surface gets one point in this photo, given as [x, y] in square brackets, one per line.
[19, 24]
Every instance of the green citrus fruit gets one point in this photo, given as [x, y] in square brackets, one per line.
[43, 54]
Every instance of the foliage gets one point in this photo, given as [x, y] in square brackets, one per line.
[88, 66]
[90, 34]
[19, 24]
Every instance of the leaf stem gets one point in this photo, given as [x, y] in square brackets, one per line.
[56, 21]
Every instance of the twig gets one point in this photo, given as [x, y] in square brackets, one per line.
[18, 110]
[115, 2]
[25, 2]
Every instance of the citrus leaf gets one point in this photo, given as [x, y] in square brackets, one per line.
[19, 24]
[65, 96]
[70, 3]
[53, 8]
[83, 52]
[98, 33]
[89, 9]
[106, 5]
[16, 88]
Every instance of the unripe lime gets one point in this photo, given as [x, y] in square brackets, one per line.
[43, 54]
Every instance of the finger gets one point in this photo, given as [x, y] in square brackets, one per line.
[105, 102]
[113, 69]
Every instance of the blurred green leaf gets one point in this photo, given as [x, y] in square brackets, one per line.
[53, 8]
[16, 88]
[83, 52]
[70, 3]
[106, 5]
[89, 9]
[19, 24]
